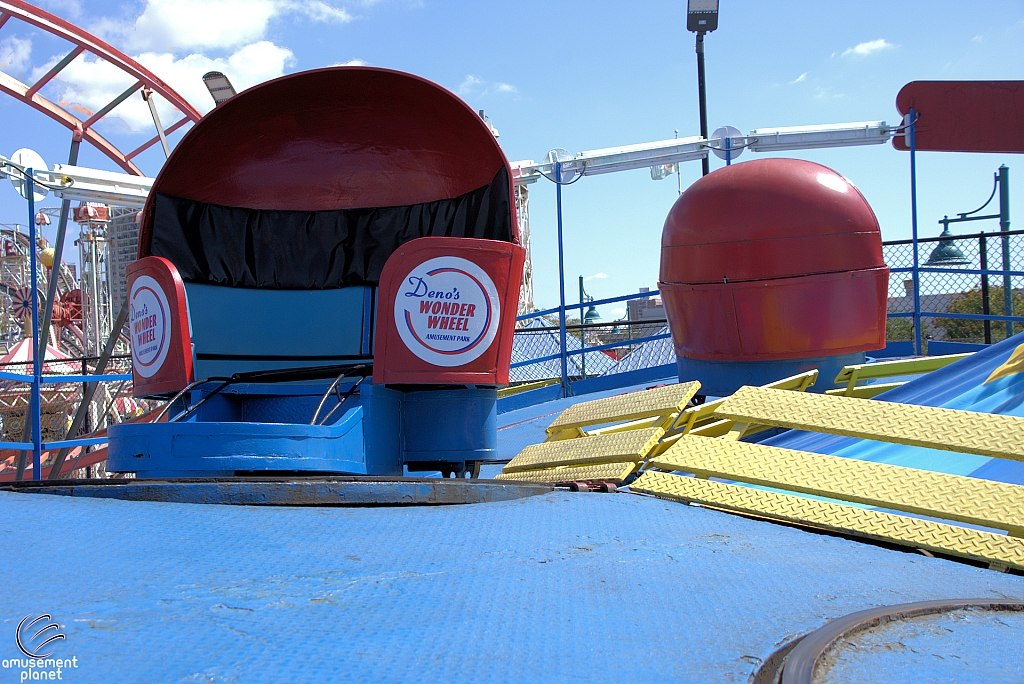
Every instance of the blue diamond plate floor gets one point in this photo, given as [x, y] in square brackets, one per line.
[560, 587]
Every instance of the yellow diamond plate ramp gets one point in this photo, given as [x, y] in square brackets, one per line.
[607, 472]
[887, 369]
[952, 497]
[696, 417]
[986, 434]
[660, 401]
[846, 519]
[617, 447]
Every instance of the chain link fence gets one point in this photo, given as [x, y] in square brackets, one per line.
[592, 349]
[951, 280]
[956, 304]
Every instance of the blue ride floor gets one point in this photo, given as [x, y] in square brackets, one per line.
[561, 587]
[557, 588]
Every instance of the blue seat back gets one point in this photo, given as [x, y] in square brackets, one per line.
[237, 330]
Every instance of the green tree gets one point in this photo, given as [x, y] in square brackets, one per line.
[969, 302]
[899, 329]
[552, 320]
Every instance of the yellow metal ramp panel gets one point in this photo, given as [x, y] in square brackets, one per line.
[698, 416]
[887, 369]
[865, 391]
[951, 497]
[986, 434]
[617, 447]
[606, 472]
[525, 387]
[660, 401]
[842, 518]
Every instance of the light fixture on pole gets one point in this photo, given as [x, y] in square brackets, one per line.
[701, 18]
[219, 86]
[591, 316]
[946, 253]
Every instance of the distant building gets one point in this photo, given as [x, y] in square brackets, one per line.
[123, 236]
[645, 317]
[646, 309]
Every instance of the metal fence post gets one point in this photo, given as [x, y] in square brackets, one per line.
[82, 414]
[583, 336]
[561, 281]
[58, 256]
[1004, 226]
[35, 405]
[985, 309]
[918, 346]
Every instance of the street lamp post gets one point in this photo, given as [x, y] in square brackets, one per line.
[701, 18]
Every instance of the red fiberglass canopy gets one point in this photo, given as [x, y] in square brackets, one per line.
[312, 180]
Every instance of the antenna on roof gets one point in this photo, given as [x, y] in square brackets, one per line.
[219, 86]
[487, 120]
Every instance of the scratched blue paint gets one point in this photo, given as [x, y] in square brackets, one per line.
[559, 587]
[967, 647]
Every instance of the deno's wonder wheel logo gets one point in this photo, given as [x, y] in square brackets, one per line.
[148, 321]
[447, 311]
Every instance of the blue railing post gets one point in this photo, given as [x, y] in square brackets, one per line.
[37, 370]
[918, 346]
[561, 282]
[1004, 226]
[583, 334]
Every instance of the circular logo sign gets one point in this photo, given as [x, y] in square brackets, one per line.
[150, 327]
[447, 311]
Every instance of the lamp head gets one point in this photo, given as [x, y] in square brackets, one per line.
[702, 16]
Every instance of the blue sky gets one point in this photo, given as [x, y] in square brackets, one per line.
[578, 75]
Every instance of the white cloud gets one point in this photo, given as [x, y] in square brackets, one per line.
[472, 85]
[827, 94]
[596, 276]
[179, 41]
[321, 11]
[88, 84]
[868, 48]
[14, 54]
[352, 62]
[978, 38]
[619, 312]
[168, 25]
[799, 79]
[468, 84]
[171, 37]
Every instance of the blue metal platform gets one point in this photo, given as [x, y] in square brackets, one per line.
[557, 587]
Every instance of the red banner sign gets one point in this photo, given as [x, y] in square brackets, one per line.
[964, 116]
[158, 328]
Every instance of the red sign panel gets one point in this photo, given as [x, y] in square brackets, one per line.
[964, 116]
[446, 312]
[158, 328]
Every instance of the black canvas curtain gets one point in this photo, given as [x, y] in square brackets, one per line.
[261, 248]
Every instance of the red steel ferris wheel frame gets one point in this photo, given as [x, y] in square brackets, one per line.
[87, 43]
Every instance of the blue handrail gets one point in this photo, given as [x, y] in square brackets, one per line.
[599, 302]
[59, 379]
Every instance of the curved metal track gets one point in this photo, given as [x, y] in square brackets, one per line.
[83, 43]
[797, 660]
